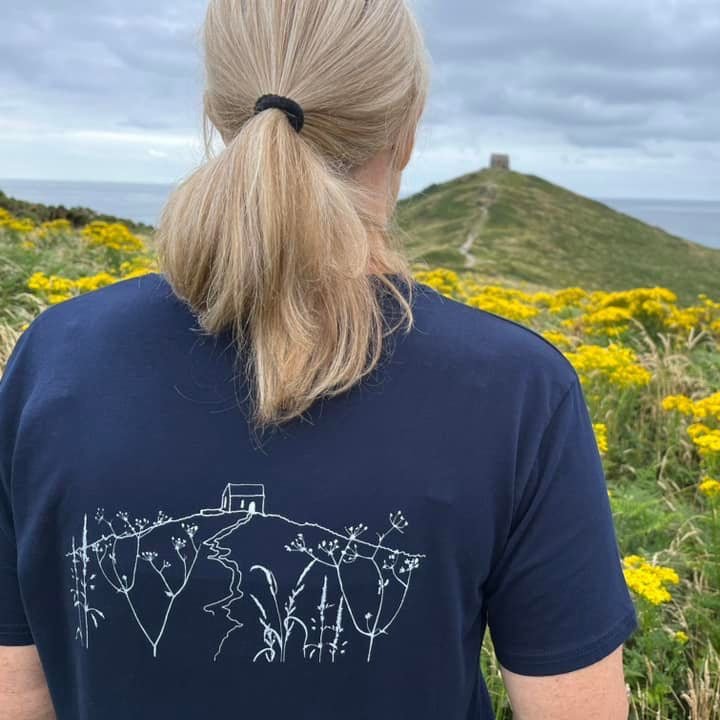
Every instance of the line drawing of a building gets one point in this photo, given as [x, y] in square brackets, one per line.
[243, 497]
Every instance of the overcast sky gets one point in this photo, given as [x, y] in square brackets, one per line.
[610, 98]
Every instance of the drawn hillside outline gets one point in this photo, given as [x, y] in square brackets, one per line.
[112, 561]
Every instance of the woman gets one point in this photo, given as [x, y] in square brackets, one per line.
[281, 479]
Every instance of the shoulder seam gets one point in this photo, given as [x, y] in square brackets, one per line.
[563, 399]
[528, 329]
[499, 317]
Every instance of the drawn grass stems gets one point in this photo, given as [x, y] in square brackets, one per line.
[276, 637]
[82, 584]
[334, 646]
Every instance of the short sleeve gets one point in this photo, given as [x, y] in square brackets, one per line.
[14, 628]
[557, 600]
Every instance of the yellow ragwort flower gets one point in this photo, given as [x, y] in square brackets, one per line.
[710, 487]
[601, 437]
[114, 236]
[648, 581]
[616, 363]
[681, 403]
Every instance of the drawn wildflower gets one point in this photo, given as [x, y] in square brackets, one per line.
[378, 621]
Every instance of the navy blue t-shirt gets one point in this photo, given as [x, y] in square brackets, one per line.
[169, 563]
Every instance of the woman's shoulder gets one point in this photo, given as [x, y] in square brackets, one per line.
[129, 302]
[470, 338]
[86, 329]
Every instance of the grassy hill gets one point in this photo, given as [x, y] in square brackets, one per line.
[510, 226]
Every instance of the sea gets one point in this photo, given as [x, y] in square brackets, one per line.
[696, 220]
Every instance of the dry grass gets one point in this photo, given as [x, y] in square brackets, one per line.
[703, 694]
[8, 338]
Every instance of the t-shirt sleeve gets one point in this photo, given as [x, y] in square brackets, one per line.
[14, 629]
[557, 599]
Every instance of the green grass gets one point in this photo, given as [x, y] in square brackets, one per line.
[542, 234]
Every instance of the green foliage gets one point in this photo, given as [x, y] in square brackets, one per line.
[78, 216]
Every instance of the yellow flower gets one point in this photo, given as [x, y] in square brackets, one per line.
[601, 437]
[571, 297]
[557, 338]
[507, 307]
[53, 229]
[702, 409]
[633, 560]
[15, 225]
[710, 487]
[608, 321]
[55, 298]
[696, 429]
[648, 581]
[115, 236]
[708, 444]
[56, 288]
[681, 637]
[708, 407]
[139, 265]
[610, 313]
[615, 363]
[681, 403]
[446, 282]
[685, 319]
[93, 282]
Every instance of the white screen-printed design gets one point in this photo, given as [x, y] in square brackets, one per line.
[363, 583]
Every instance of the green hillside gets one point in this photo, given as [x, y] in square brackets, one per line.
[517, 227]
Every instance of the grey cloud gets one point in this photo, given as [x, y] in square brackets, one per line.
[645, 33]
[108, 63]
[602, 73]
[598, 73]
[139, 122]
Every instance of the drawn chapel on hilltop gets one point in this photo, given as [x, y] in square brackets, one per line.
[238, 497]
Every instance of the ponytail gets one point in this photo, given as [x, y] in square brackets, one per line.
[278, 243]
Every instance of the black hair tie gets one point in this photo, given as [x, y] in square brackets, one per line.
[294, 112]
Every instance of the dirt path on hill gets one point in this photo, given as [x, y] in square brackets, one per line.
[486, 202]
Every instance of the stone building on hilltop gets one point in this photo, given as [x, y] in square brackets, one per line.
[499, 162]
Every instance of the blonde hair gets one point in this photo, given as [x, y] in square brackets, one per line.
[274, 238]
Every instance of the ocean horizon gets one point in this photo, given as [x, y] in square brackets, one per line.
[695, 220]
